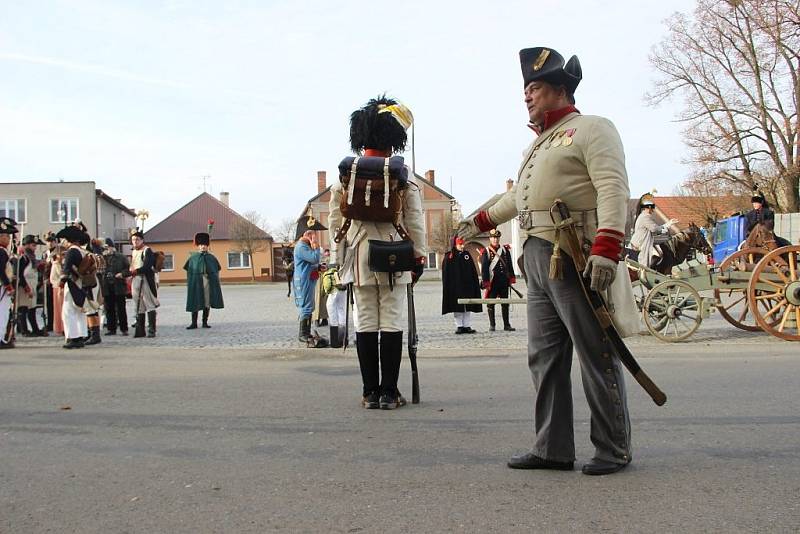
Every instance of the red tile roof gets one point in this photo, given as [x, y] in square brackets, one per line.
[694, 209]
[193, 217]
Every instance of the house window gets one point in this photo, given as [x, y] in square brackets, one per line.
[169, 262]
[68, 208]
[431, 260]
[14, 208]
[238, 260]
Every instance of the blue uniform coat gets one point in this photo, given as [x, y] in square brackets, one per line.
[306, 261]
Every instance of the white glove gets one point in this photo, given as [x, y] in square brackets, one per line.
[602, 271]
[467, 229]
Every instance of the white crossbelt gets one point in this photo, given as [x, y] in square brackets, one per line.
[529, 219]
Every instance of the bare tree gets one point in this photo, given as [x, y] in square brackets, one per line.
[249, 236]
[736, 63]
[707, 201]
[283, 232]
[441, 234]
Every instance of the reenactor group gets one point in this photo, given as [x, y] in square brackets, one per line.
[77, 278]
[570, 202]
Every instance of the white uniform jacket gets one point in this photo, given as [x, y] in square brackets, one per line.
[360, 232]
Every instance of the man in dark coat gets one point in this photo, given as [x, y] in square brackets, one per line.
[7, 229]
[497, 275]
[459, 281]
[203, 290]
[115, 289]
[763, 214]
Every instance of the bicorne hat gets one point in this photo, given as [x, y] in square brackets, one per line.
[647, 201]
[494, 232]
[547, 65]
[135, 232]
[758, 196]
[73, 234]
[30, 238]
[8, 226]
[202, 238]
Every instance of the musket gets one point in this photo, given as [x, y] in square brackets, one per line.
[564, 223]
[514, 289]
[413, 340]
[347, 303]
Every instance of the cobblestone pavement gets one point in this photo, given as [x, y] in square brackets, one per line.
[262, 317]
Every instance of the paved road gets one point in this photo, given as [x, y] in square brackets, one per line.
[253, 438]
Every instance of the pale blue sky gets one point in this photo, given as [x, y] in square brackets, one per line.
[146, 97]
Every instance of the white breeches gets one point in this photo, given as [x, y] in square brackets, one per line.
[337, 305]
[378, 309]
[73, 317]
[463, 319]
[5, 311]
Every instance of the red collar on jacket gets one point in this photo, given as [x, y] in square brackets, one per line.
[377, 153]
[552, 117]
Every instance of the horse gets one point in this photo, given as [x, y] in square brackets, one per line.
[679, 247]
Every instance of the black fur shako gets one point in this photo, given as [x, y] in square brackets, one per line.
[379, 131]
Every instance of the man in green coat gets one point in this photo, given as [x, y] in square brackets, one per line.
[203, 291]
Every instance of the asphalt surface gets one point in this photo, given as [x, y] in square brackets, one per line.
[155, 437]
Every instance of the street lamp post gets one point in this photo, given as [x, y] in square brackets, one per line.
[142, 215]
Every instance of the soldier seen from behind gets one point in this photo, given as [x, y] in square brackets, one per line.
[377, 235]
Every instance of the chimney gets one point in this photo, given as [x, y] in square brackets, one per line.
[225, 198]
[509, 184]
[321, 179]
[430, 177]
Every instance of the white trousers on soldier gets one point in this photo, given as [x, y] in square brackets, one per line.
[143, 298]
[379, 309]
[336, 304]
[463, 319]
[560, 319]
[73, 317]
[5, 311]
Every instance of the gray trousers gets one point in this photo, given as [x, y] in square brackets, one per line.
[560, 318]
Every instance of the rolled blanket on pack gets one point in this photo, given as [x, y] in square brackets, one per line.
[372, 167]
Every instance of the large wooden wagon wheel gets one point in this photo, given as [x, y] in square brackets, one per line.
[777, 278]
[672, 310]
[733, 304]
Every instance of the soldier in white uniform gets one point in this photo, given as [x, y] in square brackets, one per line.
[578, 159]
[7, 229]
[645, 229]
[144, 289]
[72, 310]
[378, 129]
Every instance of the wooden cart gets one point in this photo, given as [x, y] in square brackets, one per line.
[753, 289]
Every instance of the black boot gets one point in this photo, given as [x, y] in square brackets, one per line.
[391, 353]
[506, 322]
[336, 341]
[492, 321]
[194, 321]
[367, 349]
[94, 336]
[151, 323]
[35, 330]
[22, 321]
[206, 311]
[305, 329]
[139, 332]
[73, 343]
